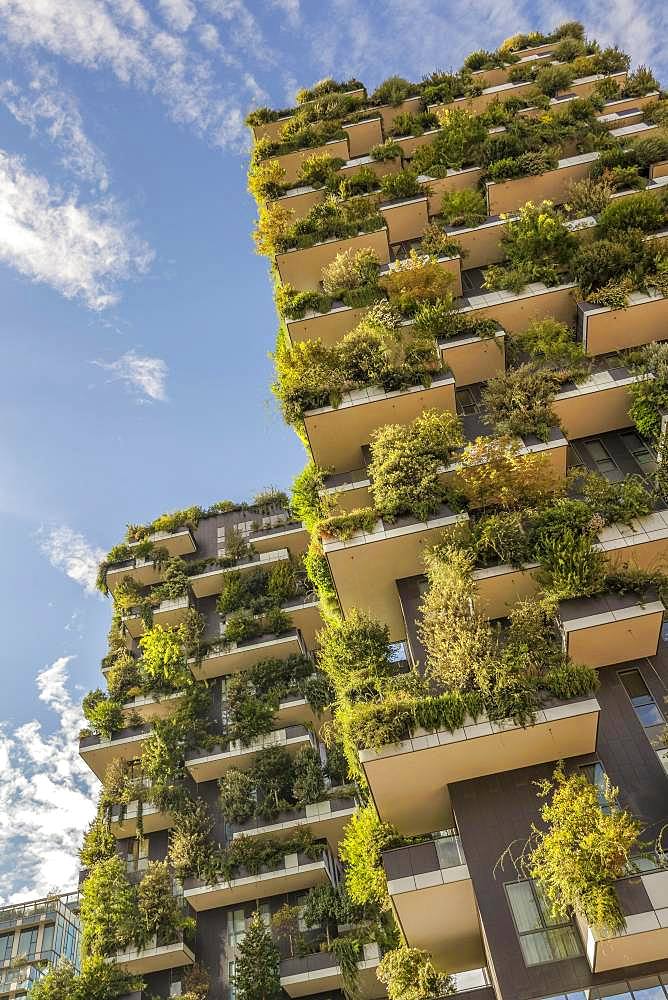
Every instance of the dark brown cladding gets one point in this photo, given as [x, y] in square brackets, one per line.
[492, 812]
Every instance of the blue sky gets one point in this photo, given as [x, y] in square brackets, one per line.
[137, 319]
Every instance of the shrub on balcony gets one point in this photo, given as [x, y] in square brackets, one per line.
[650, 394]
[235, 795]
[408, 974]
[257, 975]
[440, 321]
[390, 149]
[99, 843]
[572, 567]
[551, 344]
[344, 526]
[107, 909]
[551, 80]
[349, 270]
[393, 91]
[640, 82]
[415, 280]
[405, 460]
[403, 184]
[643, 211]
[464, 208]
[164, 656]
[104, 714]
[412, 124]
[363, 181]
[364, 839]
[327, 86]
[308, 784]
[585, 847]
[651, 150]
[174, 521]
[601, 263]
[457, 144]
[614, 502]
[189, 840]
[292, 304]
[332, 219]
[319, 169]
[520, 480]
[436, 242]
[355, 655]
[482, 59]
[98, 980]
[266, 179]
[440, 87]
[524, 165]
[538, 247]
[518, 403]
[495, 539]
[589, 196]
[157, 908]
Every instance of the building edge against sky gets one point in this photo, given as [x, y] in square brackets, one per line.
[324, 709]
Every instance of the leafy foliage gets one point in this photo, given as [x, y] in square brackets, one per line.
[409, 974]
[364, 839]
[257, 966]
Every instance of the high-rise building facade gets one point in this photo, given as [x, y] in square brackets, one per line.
[34, 937]
[404, 732]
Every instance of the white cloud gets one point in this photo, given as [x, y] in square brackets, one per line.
[43, 104]
[290, 8]
[47, 795]
[69, 551]
[144, 374]
[80, 250]
[179, 14]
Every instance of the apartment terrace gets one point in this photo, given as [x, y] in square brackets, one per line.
[514, 311]
[153, 706]
[597, 405]
[336, 433]
[224, 657]
[177, 543]
[212, 764]
[210, 582]
[297, 873]
[173, 611]
[326, 820]
[603, 330]
[429, 878]
[126, 744]
[320, 972]
[155, 957]
[644, 902]
[611, 628]
[424, 765]
[365, 567]
[125, 819]
[292, 536]
[302, 267]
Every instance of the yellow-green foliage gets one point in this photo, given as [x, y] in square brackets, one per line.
[364, 839]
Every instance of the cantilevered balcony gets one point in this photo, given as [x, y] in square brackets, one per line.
[366, 567]
[207, 765]
[552, 185]
[141, 571]
[292, 536]
[177, 543]
[326, 820]
[514, 311]
[303, 267]
[231, 657]
[644, 903]
[409, 780]
[210, 582]
[321, 972]
[611, 628]
[153, 706]
[291, 162]
[170, 612]
[126, 744]
[641, 544]
[597, 405]
[296, 873]
[155, 956]
[603, 330]
[468, 178]
[293, 710]
[336, 434]
[433, 878]
[127, 819]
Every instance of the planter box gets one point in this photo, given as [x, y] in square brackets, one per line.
[610, 628]
[604, 330]
[303, 268]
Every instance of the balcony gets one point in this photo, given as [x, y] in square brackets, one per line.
[142, 571]
[329, 327]
[364, 135]
[214, 763]
[154, 957]
[604, 330]
[455, 180]
[294, 710]
[481, 244]
[336, 434]
[171, 612]
[500, 587]
[127, 744]
[292, 536]
[514, 312]
[326, 820]
[304, 612]
[423, 766]
[510, 195]
[291, 162]
[598, 405]
[231, 657]
[320, 972]
[611, 628]
[18, 981]
[177, 543]
[153, 706]
[406, 219]
[210, 582]
[366, 567]
[644, 902]
[433, 878]
[642, 544]
[303, 267]
[297, 873]
[474, 359]
[125, 819]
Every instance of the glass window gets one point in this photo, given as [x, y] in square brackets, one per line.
[6, 944]
[603, 460]
[640, 451]
[645, 707]
[28, 942]
[595, 773]
[47, 937]
[466, 402]
[542, 937]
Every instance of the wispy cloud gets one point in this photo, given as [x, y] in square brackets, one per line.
[142, 374]
[45, 107]
[179, 14]
[69, 551]
[81, 250]
[291, 9]
[47, 795]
